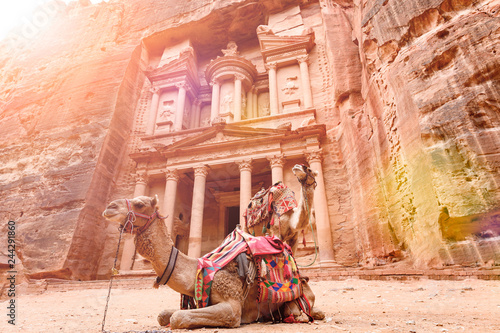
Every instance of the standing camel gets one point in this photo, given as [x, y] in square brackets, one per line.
[229, 306]
[289, 225]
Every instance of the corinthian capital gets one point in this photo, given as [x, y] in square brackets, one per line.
[172, 174]
[302, 59]
[183, 85]
[238, 76]
[314, 156]
[214, 81]
[201, 171]
[141, 177]
[276, 160]
[271, 65]
[245, 165]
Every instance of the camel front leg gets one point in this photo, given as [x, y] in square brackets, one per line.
[225, 314]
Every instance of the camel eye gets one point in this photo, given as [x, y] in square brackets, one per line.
[139, 204]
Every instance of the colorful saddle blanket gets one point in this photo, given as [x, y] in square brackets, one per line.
[265, 204]
[280, 282]
[278, 274]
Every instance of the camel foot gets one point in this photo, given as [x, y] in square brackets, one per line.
[164, 317]
[317, 314]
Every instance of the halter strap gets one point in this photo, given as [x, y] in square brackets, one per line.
[169, 269]
[304, 182]
[129, 226]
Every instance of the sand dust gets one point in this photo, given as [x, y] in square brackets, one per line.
[350, 306]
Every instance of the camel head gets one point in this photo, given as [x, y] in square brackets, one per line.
[305, 175]
[139, 211]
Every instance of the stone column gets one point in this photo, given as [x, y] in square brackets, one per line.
[273, 88]
[153, 111]
[127, 259]
[237, 96]
[214, 112]
[195, 230]
[197, 113]
[277, 162]
[181, 104]
[250, 104]
[325, 243]
[306, 82]
[245, 187]
[255, 103]
[172, 179]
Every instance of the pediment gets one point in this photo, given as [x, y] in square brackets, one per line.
[270, 44]
[224, 135]
[184, 65]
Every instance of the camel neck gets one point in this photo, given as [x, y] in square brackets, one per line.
[155, 245]
[305, 204]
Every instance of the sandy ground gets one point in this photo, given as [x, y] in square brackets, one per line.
[350, 306]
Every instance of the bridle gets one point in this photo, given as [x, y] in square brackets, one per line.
[129, 226]
[308, 175]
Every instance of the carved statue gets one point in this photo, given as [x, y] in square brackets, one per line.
[232, 49]
[167, 110]
[227, 104]
[264, 107]
[290, 87]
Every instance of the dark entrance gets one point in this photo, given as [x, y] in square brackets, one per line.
[232, 218]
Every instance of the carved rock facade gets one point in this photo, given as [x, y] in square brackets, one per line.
[396, 101]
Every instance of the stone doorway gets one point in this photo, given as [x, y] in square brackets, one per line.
[232, 219]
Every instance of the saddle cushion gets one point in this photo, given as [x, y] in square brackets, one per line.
[265, 204]
[279, 281]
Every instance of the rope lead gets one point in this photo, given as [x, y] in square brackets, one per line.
[312, 231]
[114, 272]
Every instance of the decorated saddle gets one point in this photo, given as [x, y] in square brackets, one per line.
[277, 275]
[269, 204]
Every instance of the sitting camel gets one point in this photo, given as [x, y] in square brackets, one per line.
[228, 307]
[289, 225]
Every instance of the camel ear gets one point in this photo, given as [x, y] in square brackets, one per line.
[315, 173]
[154, 201]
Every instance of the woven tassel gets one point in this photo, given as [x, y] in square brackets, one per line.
[263, 269]
[292, 263]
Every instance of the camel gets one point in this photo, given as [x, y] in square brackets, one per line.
[228, 307]
[296, 220]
